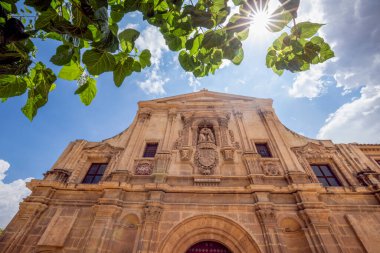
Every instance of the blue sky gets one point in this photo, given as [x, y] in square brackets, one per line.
[339, 100]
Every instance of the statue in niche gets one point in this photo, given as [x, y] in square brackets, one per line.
[206, 135]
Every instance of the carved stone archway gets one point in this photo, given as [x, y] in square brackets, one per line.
[208, 228]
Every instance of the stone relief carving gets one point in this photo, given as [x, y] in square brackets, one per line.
[235, 144]
[369, 177]
[271, 168]
[206, 157]
[228, 154]
[206, 136]
[185, 154]
[152, 213]
[144, 168]
[60, 175]
[267, 215]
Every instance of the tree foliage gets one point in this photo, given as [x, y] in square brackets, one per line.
[204, 32]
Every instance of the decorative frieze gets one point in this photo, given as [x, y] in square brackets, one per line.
[271, 167]
[60, 175]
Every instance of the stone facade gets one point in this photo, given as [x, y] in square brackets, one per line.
[209, 180]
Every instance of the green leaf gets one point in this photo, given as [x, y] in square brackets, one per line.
[98, 62]
[63, 55]
[11, 86]
[305, 29]
[39, 5]
[42, 81]
[127, 39]
[46, 18]
[174, 43]
[71, 72]
[145, 58]
[186, 61]
[239, 57]
[122, 70]
[279, 19]
[87, 91]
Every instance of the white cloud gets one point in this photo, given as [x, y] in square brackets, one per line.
[357, 121]
[193, 81]
[152, 39]
[154, 84]
[352, 30]
[309, 84]
[11, 195]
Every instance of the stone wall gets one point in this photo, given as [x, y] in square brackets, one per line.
[207, 182]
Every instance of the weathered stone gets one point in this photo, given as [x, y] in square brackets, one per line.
[206, 182]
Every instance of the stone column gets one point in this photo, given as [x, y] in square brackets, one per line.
[267, 219]
[168, 131]
[316, 218]
[101, 229]
[246, 144]
[152, 214]
[127, 158]
[20, 226]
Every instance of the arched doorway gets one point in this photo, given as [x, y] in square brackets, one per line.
[208, 228]
[208, 247]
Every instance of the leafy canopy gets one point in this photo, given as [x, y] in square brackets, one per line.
[204, 32]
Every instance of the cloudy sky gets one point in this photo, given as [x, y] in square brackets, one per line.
[339, 100]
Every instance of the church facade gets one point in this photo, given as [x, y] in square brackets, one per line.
[204, 172]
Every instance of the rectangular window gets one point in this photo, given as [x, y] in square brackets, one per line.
[378, 162]
[263, 150]
[325, 175]
[150, 149]
[95, 173]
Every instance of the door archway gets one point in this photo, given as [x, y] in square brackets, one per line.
[208, 247]
[208, 228]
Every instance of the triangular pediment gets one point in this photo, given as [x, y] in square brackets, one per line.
[205, 96]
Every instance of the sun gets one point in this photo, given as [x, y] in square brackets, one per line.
[260, 18]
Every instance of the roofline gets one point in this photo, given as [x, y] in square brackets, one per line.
[205, 91]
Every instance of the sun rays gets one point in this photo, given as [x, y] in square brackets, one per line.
[262, 16]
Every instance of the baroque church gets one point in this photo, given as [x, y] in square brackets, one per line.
[204, 172]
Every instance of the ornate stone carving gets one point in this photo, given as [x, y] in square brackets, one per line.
[144, 168]
[185, 154]
[267, 215]
[235, 144]
[271, 168]
[206, 136]
[238, 114]
[369, 177]
[152, 213]
[228, 154]
[206, 158]
[178, 142]
[144, 115]
[60, 175]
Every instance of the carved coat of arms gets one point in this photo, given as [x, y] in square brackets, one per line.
[206, 156]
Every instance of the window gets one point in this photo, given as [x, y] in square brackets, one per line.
[325, 176]
[150, 149]
[95, 173]
[263, 150]
[378, 162]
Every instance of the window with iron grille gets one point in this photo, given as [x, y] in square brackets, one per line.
[150, 149]
[325, 175]
[263, 150]
[95, 173]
